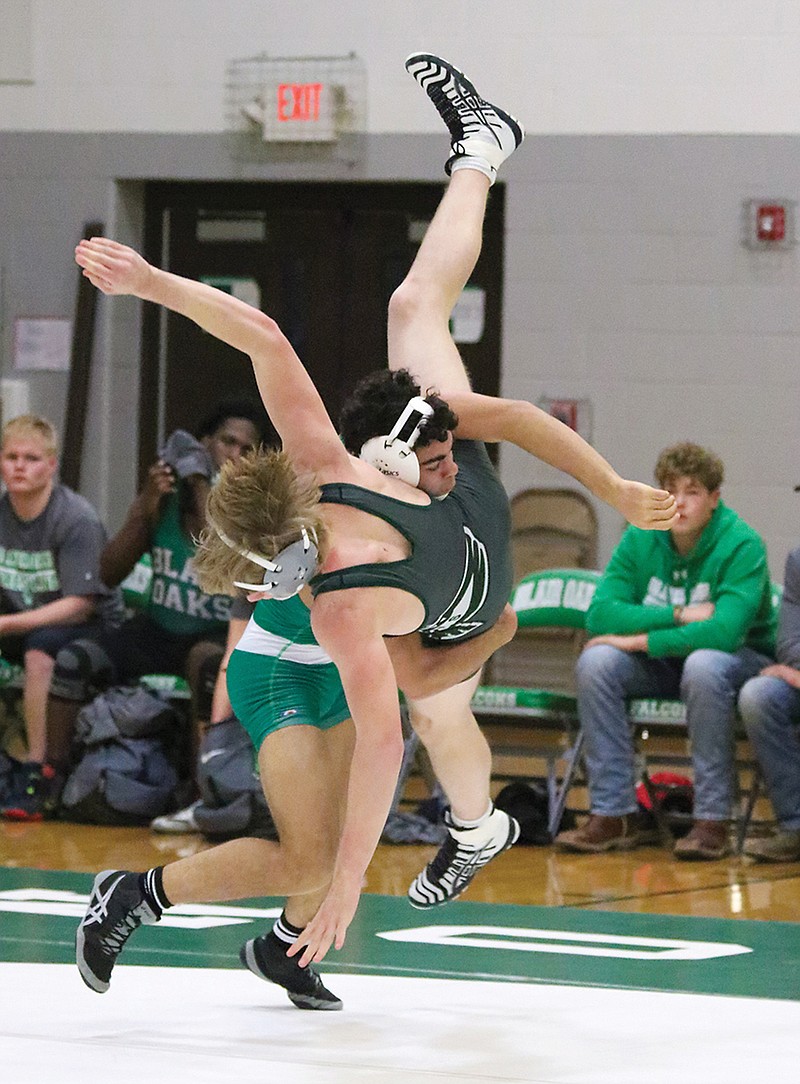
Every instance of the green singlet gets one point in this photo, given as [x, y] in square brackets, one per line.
[279, 676]
[460, 562]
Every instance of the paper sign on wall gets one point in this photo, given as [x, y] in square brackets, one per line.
[246, 289]
[468, 316]
[42, 342]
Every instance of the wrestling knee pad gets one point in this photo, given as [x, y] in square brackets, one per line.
[82, 670]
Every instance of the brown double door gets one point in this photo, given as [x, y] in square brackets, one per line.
[322, 259]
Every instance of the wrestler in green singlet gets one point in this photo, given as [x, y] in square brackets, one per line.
[279, 676]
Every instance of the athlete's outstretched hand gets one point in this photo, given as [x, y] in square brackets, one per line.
[644, 506]
[329, 925]
[112, 267]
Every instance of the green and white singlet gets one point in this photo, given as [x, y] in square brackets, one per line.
[279, 676]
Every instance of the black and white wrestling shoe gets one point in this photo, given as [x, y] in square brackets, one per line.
[482, 135]
[463, 854]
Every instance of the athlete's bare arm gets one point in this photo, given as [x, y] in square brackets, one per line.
[483, 417]
[347, 628]
[420, 340]
[423, 671]
[294, 404]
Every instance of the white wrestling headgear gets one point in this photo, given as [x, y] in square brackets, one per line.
[287, 572]
[393, 454]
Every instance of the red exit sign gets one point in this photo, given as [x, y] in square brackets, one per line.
[300, 111]
[298, 102]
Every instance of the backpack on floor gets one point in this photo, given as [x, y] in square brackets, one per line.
[124, 774]
[675, 794]
[232, 801]
[529, 805]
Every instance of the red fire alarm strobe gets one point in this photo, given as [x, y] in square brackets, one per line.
[769, 223]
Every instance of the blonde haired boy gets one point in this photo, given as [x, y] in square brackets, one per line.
[50, 591]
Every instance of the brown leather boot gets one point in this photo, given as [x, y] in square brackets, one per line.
[602, 833]
[706, 841]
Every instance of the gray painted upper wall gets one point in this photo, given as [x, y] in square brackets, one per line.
[626, 285]
[585, 66]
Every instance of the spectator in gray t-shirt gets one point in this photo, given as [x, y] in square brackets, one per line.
[50, 587]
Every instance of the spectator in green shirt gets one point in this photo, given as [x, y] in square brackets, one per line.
[687, 614]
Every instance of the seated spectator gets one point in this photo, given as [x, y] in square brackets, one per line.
[684, 614]
[181, 630]
[50, 588]
[770, 707]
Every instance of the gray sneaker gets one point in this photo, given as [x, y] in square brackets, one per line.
[177, 823]
[477, 128]
[782, 847]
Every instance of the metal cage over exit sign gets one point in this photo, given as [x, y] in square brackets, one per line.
[297, 99]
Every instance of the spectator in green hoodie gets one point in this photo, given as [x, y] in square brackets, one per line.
[685, 614]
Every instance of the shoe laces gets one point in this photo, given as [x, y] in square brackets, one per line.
[462, 113]
[315, 978]
[453, 857]
[305, 980]
[112, 940]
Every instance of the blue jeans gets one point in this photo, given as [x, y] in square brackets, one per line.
[771, 711]
[708, 682]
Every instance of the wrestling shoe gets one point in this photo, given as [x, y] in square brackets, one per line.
[461, 856]
[116, 908]
[480, 132]
[266, 957]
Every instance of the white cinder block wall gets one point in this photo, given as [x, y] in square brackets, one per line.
[628, 285]
[626, 282]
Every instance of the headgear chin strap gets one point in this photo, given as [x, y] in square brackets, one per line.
[393, 454]
[287, 572]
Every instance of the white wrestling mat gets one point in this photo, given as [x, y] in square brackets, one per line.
[211, 1026]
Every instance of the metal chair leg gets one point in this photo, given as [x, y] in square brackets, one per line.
[658, 811]
[746, 815]
[560, 792]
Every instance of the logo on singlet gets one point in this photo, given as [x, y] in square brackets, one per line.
[458, 620]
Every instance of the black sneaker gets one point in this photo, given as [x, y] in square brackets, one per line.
[461, 856]
[477, 128]
[34, 794]
[266, 957]
[117, 907]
